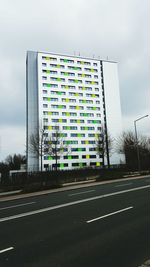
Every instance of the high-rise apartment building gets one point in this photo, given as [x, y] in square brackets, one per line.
[78, 95]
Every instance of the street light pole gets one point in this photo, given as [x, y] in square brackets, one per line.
[137, 145]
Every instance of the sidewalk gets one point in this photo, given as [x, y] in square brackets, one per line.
[6, 196]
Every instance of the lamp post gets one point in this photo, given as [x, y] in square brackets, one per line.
[136, 138]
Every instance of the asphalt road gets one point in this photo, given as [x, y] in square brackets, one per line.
[99, 226]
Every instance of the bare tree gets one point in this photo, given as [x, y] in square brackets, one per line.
[102, 148]
[127, 144]
[52, 144]
[37, 144]
[56, 145]
[14, 161]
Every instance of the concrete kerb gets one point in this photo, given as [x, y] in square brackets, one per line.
[67, 187]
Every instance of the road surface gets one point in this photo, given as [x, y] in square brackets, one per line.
[99, 226]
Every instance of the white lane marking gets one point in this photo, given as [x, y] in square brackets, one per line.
[19, 205]
[70, 204]
[123, 184]
[84, 192]
[110, 214]
[6, 249]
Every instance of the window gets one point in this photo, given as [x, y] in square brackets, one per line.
[44, 91]
[97, 102]
[72, 100]
[94, 64]
[55, 113]
[74, 135]
[54, 106]
[45, 105]
[98, 115]
[75, 149]
[91, 142]
[87, 63]
[92, 156]
[50, 85]
[97, 89]
[44, 64]
[54, 120]
[71, 87]
[92, 149]
[96, 76]
[91, 135]
[87, 82]
[66, 60]
[72, 107]
[53, 58]
[54, 99]
[73, 114]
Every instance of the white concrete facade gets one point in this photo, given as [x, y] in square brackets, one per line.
[73, 93]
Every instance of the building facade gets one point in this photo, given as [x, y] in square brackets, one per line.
[80, 96]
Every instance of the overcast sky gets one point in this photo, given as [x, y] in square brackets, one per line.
[117, 29]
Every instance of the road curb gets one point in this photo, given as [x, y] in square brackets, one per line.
[71, 186]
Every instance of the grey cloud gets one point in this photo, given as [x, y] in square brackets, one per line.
[117, 29]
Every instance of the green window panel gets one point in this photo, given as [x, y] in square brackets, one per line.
[59, 106]
[58, 93]
[81, 164]
[76, 81]
[48, 71]
[66, 86]
[92, 70]
[66, 73]
[76, 68]
[76, 94]
[50, 157]
[94, 108]
[65, 60]
[58, 66]
[49, 127]
[49, 113]
[92, 82]
[86, 128]
[67, 127]
[93, 95]
[67, 100]
[48, 85]
[83, 75]
[48, 99]
[83, 88]
[62, 165]
[67, 114]
[79, 149]
[98, 164]
[59, 79]
[60, 120]
[82, 62]
[47, 58]
[69, 157]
